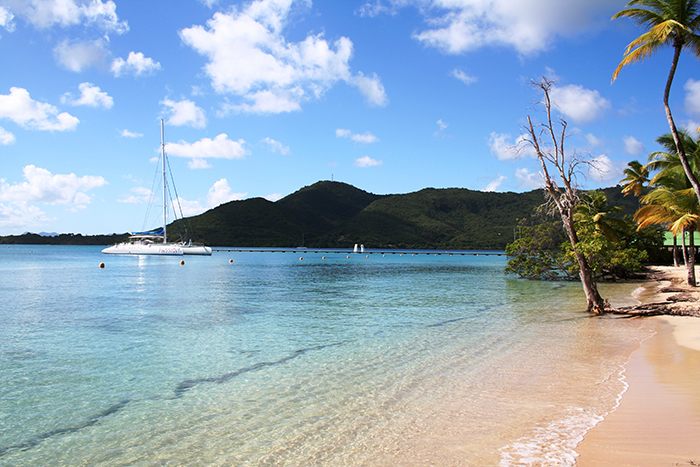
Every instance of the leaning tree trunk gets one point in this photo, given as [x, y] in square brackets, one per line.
[676, 139]
[596, 304]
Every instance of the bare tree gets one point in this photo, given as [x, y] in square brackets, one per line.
[548, 144]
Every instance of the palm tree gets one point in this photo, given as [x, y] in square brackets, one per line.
[677, 208]
[636, 176]
[594, 209]
[673, 201]
[668, 22]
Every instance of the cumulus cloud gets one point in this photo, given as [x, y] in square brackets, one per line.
[136, 64]
[502, 147]
[79, 56]
[371, 88]
[692, 96]
[30, 114]
[41, 186]
[527, 26]
[633, 146]
[218, 194]
[580, 104]
[6, 18]
[367, 161]
[218, 148]
[602, 169]
[494, 184]
[21, 217]
[130, 134]
[463, 77]
[44, 14]
[276, 146]
[250, 58]
[527, 179]
[367, 138]
[185, 112]
[139, 195]
[90, 95]
[6, 138]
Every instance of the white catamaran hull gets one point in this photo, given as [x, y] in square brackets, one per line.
[196, 250]
[136, 248]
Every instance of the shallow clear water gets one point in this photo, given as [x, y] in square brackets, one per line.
[277, 360]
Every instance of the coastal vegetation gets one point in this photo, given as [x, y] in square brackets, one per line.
[338, 215]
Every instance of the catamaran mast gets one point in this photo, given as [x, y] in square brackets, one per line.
[165, 202]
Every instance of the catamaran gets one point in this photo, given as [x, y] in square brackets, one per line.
[155, 242]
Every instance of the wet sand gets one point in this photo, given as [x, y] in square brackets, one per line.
[658, 420]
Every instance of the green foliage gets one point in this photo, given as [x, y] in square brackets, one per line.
[613, 246]
[539, 253]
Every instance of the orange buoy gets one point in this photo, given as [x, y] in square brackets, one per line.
[102, 265]
[230, 261]
[300, 258]
[323, 257]
[182, 262]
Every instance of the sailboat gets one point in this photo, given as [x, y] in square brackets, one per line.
[155, 242]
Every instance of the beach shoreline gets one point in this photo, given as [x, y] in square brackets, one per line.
[658, 420]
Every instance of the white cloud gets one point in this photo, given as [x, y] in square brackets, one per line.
[221, 193]
[21, 217]
[276, 146]
[692, 96]
[129, 134]
[367, 161]
[367, 138]
[249, 57]
[44, 14]
[79, 56]
[91, 96]
[602, 169]
[443, 126]
[527, 179]
[6, 18]
[185, 112]
[274, 197]
[27, 113]
[44, 187]
[6, 138]
[136, 64]
[528, 26]
[501, 147]
[218, 148]
[463, 77]
[372, 88]
[140, 196]
[218, 194]
[580, 104]
[593, 140]
[633, 146]
[495, 183]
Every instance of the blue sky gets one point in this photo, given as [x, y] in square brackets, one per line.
[265, 97]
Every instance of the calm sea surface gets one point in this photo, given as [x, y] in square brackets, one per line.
[370, 360]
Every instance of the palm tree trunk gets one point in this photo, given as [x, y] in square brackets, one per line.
[685, 250]
[691, 258]
[677, 46]
[675, 250]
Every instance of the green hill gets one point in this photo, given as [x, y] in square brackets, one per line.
[338, 215]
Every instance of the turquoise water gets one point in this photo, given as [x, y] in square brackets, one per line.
[276, 360]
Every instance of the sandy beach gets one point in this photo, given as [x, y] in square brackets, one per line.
[658, 420]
